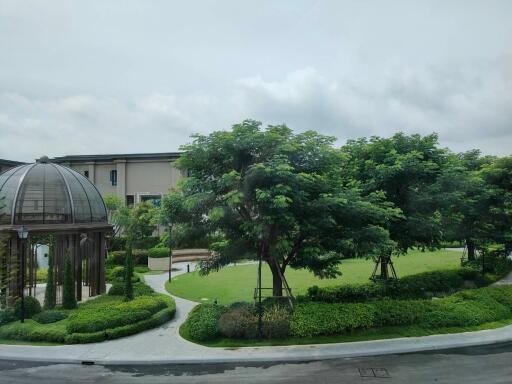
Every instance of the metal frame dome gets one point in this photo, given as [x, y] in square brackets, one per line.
[47, 193]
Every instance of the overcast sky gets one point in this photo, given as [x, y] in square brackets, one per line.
[91, 77]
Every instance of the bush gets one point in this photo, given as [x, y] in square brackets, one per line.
[50, 316]
[159, 252]
[399, 312]
[32, 307]
[238, 323]
[139, 289]
[33, 331]
[312, 319]
[464, 308]
[276, 322]
[98, 318]
[7, 316]
[140, 257]
[421, 285]
[244, 305]
[68, 288]
[117, 273]
[202, 321]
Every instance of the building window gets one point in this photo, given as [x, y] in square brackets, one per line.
[130, 200]
[153, 199]
[113, 177]
[86, 174]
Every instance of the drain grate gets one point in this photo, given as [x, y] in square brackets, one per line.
[374, 372]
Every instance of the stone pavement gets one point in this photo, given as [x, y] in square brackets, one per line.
[164, 345]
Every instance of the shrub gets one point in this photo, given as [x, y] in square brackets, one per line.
[117, 273]
[7, 316]
[399, 312]
[276, 322]
[159, 252]
[311, 319]
[202, 321]
[128, 272]
[244, 305]
[32, 331]
[32, 307]
[139, 289]
[68, 289]
[140, 257]
[421, 285]
[97, 318]
[238, 323]
[50, 292]
[50, 316]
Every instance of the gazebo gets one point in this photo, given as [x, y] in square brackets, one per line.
[55, 205]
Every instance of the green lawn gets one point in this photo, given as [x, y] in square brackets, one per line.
[237, 283]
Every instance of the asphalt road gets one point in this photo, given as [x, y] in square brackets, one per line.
[482, 365]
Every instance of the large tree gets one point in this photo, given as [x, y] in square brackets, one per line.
[498, 178]
[402, 167]
[464, 199]
[279, 196]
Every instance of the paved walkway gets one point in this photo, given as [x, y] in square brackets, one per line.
[164, 345]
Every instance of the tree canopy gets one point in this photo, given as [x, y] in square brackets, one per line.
[277, 195]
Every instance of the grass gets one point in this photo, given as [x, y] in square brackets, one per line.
[361, 335]
[236, 283]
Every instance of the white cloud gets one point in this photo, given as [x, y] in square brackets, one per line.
[468, 108]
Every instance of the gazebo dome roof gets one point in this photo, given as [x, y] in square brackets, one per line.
[47, 193]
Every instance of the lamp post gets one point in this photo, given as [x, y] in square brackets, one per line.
[23, 235]
[170, 251]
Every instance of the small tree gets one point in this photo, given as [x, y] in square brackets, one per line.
[49, 293]
[68, 294]
[128, 270]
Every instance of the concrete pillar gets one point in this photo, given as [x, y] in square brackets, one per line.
[91, 170]
[121, 179]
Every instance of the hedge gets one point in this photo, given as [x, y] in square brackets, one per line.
[139, 289]
[50, 316]
[140, 257]
[464, 308]
[102, 318]
[202, 322]
[159, 253]
[421, 285]
[155, 320]
[33, 331]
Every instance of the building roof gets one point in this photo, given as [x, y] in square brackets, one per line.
[11, 163]
[45, 194]
[111, 157]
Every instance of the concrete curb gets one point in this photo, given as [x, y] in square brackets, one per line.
[276, 354]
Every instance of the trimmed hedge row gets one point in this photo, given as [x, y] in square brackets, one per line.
[465, 308]
[139, 289]
[159, 252]
[155, 320]
[102, 318]
[140, 257]
[419, 286]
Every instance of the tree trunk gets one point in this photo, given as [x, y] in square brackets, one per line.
[471, 250]
[384, 275]
[277, 282]
[508, 248]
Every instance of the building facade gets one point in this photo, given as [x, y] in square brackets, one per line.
[132, 177]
